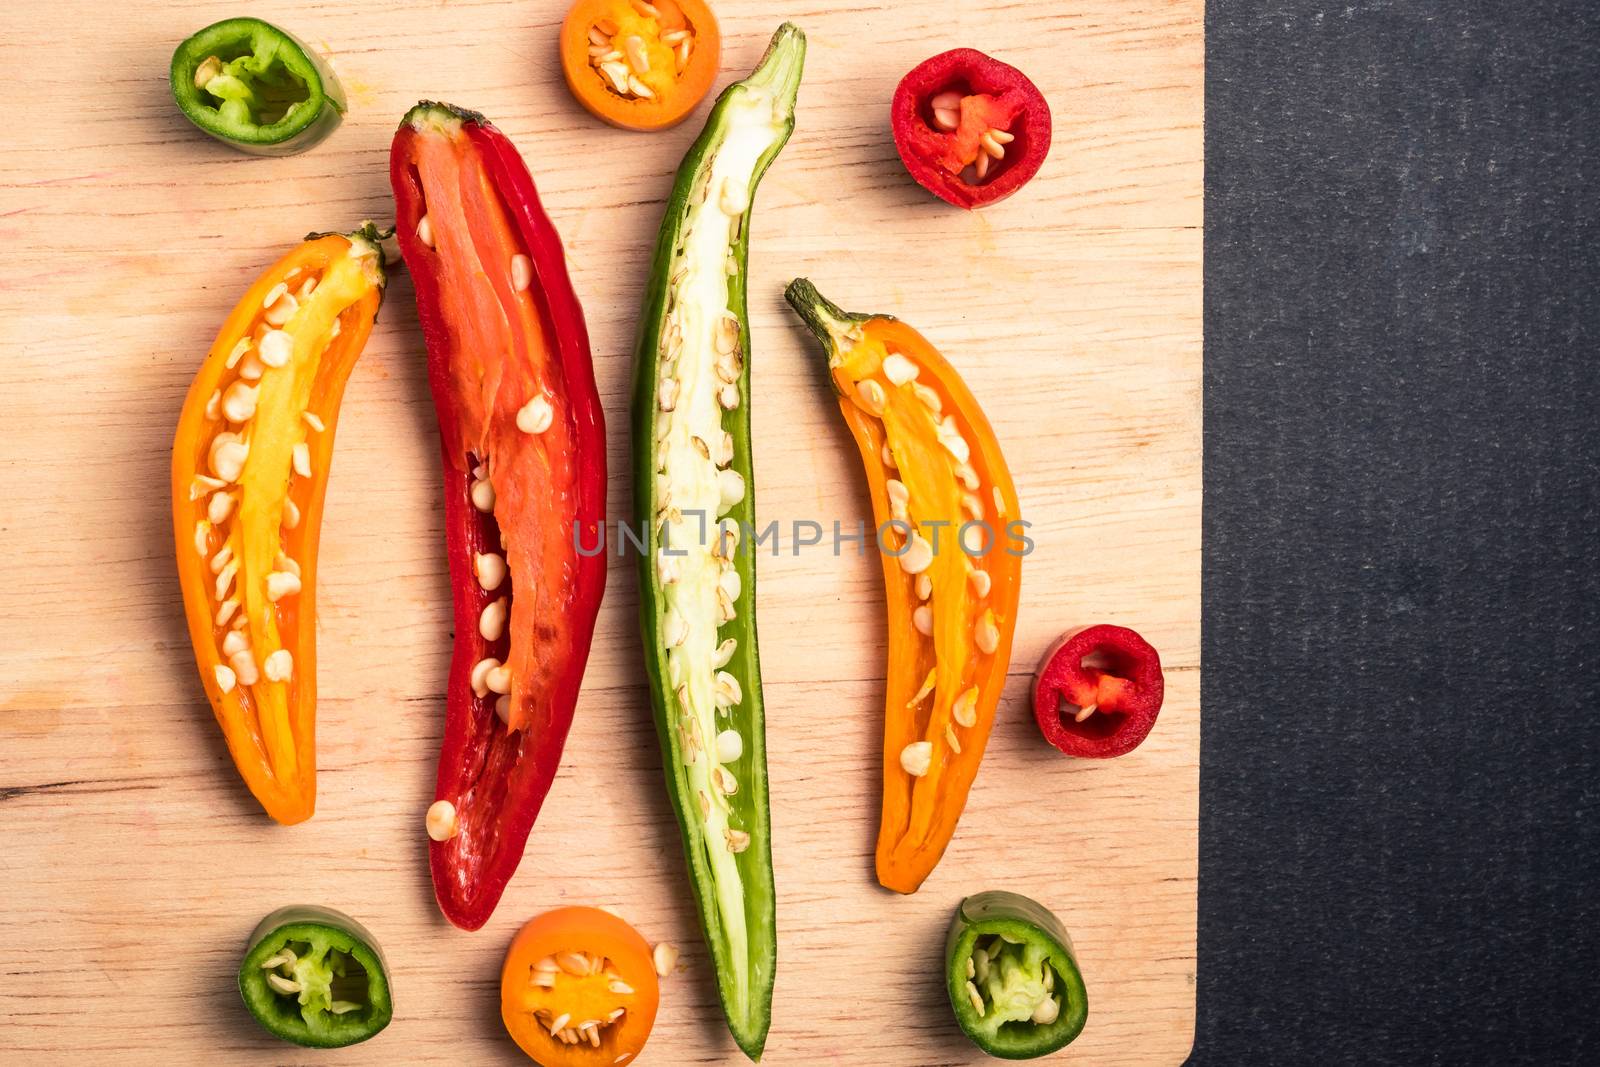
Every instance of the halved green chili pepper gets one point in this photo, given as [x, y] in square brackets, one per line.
[693, 491]
[256, 88]
[1012, 977]
[315, 976]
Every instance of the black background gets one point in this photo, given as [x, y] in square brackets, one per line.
[1400, 837]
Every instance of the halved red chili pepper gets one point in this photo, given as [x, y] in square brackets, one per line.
[523, 441]
[970, 129]
[1098, 692]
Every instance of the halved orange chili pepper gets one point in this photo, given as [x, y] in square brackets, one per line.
[579, 989]
[952, 545]
[639, 65]
[249, 468]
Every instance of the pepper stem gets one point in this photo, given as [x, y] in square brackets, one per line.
[439, 115]
[836, 328]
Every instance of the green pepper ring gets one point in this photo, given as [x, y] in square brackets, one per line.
[323, 928]
[305, 124]
[1030, 923]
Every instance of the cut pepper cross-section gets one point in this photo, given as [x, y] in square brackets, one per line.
[523, 447]
[694, 490]
[256, 88]
[970, 129]
[948, 517]
[578, 989]
[249, 468]
[1012, 976]
[639, 65]
[316, 977]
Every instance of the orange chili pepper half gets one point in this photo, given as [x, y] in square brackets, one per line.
[579, 989]
[952, 545]
[249, 468]
[638, 65]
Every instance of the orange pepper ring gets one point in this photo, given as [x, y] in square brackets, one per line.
[599, 934]
[592, 90]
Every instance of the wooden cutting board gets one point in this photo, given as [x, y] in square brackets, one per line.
[134, 861]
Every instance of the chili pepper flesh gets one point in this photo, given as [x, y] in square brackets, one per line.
[256, 88]
[1012, 977]
[640, 65]
[315, 977]
[250, 462]
[933, 466]
[693, 467]
[522, 442]
[578, 989]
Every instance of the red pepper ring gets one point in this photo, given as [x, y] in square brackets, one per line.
[1098, 692]
[943, 113]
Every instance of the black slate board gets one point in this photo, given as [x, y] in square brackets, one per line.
[1400, 834]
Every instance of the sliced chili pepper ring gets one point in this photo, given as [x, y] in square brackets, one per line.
[1012, 976]
[578, 988]
[1098, 692]
[256, 87]
[640, 65]
[315, 977]
[971, 129]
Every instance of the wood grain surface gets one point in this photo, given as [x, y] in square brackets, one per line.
[134, 861]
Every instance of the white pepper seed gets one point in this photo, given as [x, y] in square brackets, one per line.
[281, 584]
[279, 666]
[981, 582]
[498, 679]
[479, 677]
[281, 311]
[870, 396]
[536, 416]
[918, 555]
[986, 635]
[898, 369]
[490, 569]
[965, 709]
[275, 349]
[730, 487]
[492, 621]
[219, 507]
[916, 758]
[243, 663]
[227, 456]
[441, 820]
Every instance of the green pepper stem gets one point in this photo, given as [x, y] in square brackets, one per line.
[834, 327]
[438, 114]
